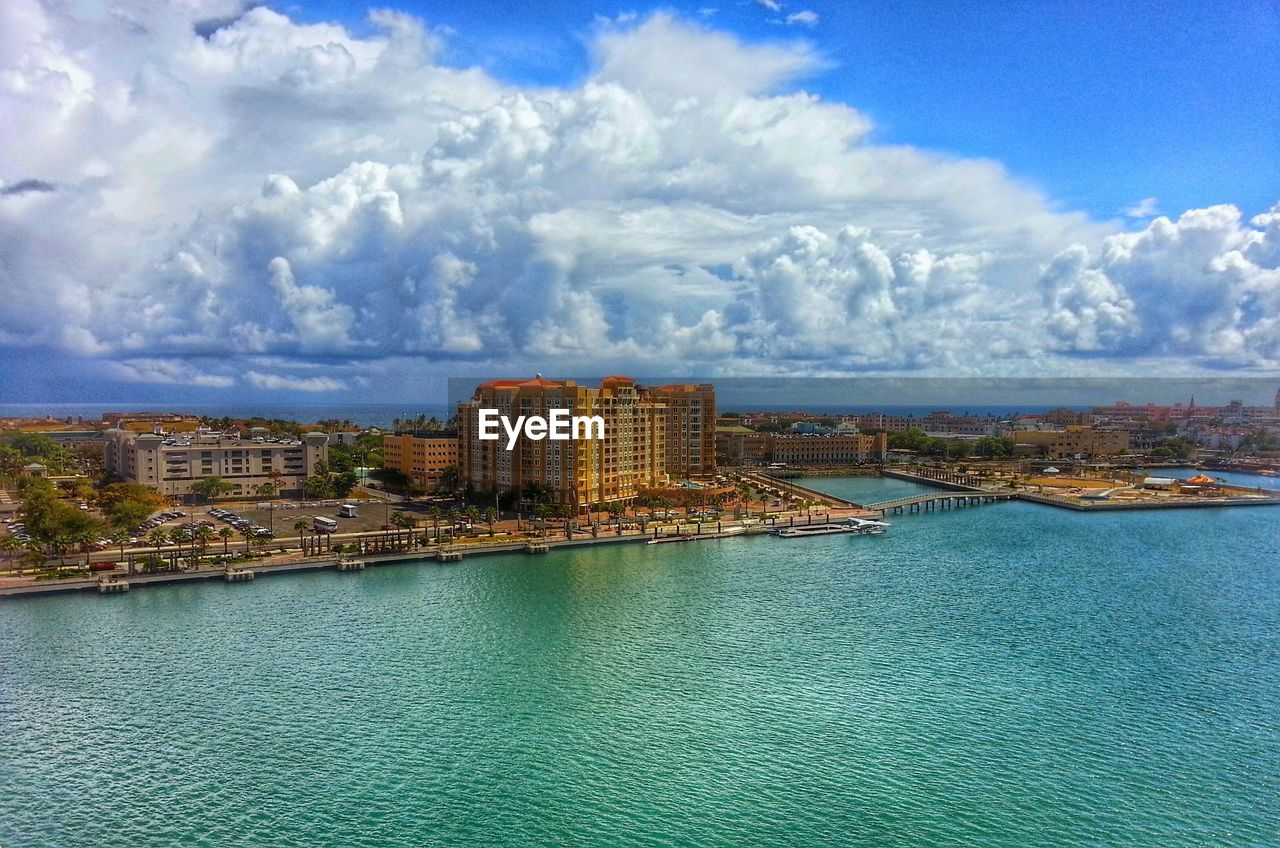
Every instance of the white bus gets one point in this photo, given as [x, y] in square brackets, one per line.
[349, 510]
[324, 525]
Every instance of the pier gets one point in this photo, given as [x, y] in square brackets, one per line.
[946, 500]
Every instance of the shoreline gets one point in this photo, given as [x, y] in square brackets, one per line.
[329, 561]
[833, 507]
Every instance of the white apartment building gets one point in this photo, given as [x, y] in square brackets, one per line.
[171, 464]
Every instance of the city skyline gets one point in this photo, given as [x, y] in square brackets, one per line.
[212, 203]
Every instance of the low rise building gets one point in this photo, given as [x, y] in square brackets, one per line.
[835, 449]
[1075, 441]
[739, 445]
[172, 465]
[422, 459]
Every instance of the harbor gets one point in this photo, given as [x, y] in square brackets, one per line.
[729, 652]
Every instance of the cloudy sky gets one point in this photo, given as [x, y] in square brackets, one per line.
[207, 201]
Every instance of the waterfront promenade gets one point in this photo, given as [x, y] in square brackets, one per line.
[379, 549]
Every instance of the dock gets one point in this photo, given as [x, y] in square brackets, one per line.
[945, 500]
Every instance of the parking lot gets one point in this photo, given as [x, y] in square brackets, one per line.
[282, 516]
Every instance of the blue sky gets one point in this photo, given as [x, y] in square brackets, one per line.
[216, 200]
[1101, 104]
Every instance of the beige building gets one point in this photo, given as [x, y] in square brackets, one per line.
[576, 472]
[691, 428]
[422, 459]
[848, 449]
[172, 464]
[1085, 441]
[740, 445]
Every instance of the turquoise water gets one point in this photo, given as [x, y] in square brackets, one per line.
[998, 676]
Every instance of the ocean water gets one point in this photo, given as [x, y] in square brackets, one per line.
[383, 414]
[1004, 675]
[362, 414]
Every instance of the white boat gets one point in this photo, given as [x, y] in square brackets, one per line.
[803, 530]
[857, 526]
[660, 540]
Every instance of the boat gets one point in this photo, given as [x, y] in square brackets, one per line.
[683, 537]
[857, 526]
[803, 530]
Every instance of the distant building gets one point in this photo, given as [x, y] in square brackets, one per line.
[795, 449]
[740, 445]
[422, 460]
[74, 438]
[171, 465]
[1083, 441]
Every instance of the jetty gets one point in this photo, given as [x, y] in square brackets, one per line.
[946, 500]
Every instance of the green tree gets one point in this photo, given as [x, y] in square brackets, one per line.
[211, 488]
[53, 524]
[225, 535]
[126, 505]
[343, 484]
[911, 439]
[177, 537]
[449, 478]
[202, 537]
[10, 546]
[319, 486]
[401, 521]
[157, 539]
[302, 527]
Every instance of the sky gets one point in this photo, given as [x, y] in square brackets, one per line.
[208, 201]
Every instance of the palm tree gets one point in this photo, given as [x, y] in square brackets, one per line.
[157, 539]
[121, 538]
[434, 514]
[489, 517]
[176, 536]
[301, 527]
[10, 546]
[203, 536]
[225, 535]
[402, 521]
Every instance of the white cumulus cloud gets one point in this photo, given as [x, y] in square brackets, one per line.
[234, 189]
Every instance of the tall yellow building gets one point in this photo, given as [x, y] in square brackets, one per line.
[578, 472]
[691, 428]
